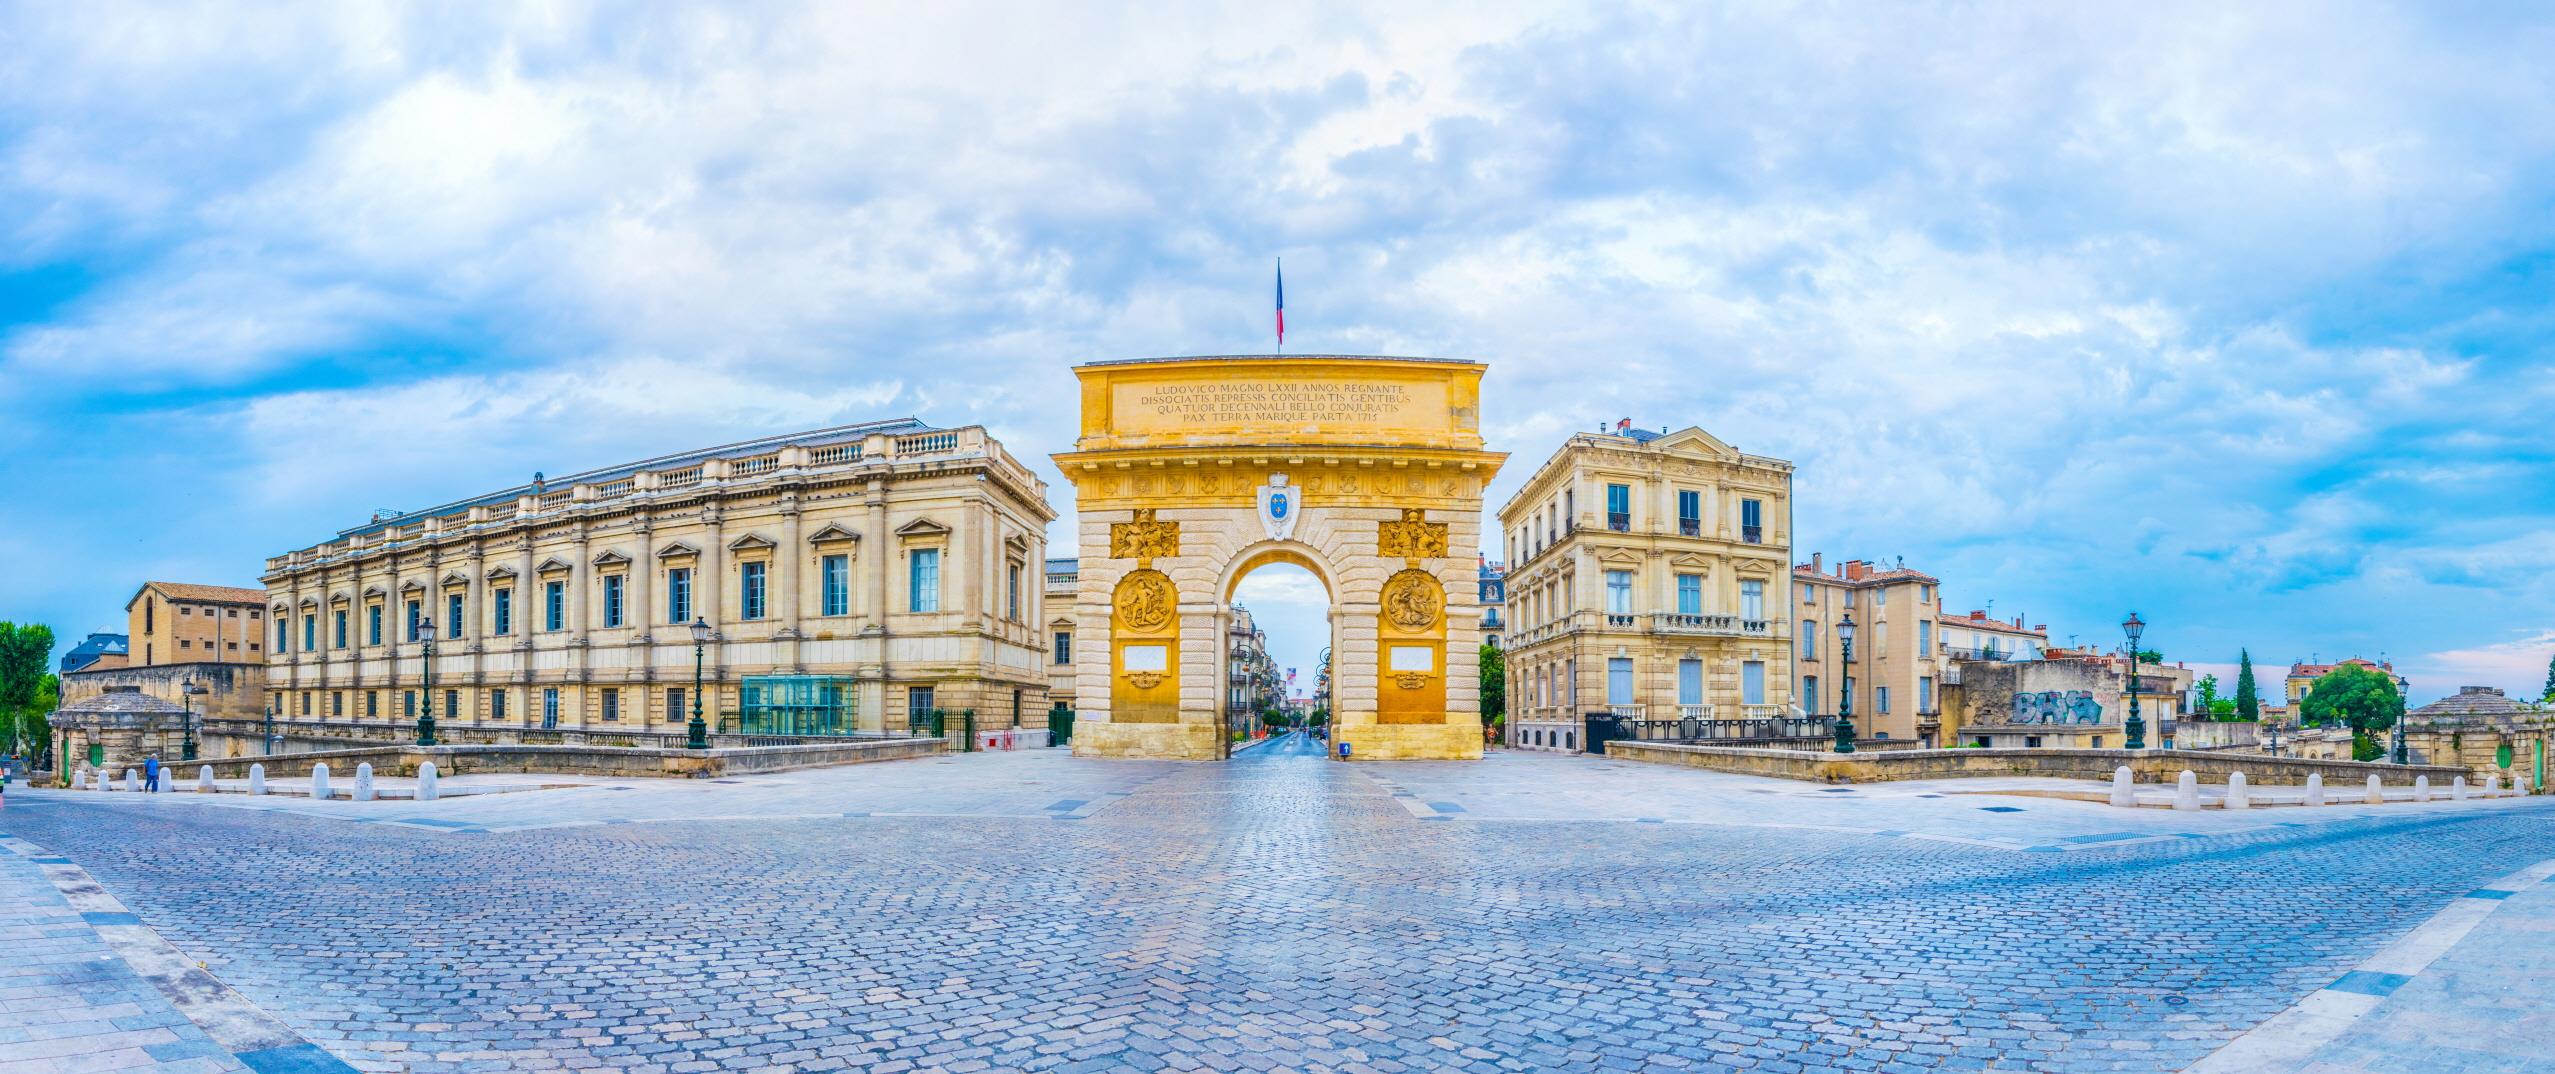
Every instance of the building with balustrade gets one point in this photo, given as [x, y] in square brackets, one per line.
[1062, 575]
[1648, 576]
[849, 579]
[1895, 666]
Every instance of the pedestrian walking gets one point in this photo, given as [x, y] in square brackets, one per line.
[151, 772]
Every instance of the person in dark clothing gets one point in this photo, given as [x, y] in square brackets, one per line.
[151, 772]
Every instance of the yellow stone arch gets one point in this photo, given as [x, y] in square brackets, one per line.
[1366, 471]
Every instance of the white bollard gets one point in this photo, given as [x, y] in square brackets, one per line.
[2377, 791]
[2492, 785]
[364, 782]
[204, 779]
[132, 781]
[2457, 789]
[2236, 792]
[2421, 788]
[257, 779]
[80, 779]
[319, 781]
[2124, 790]
[426, 782]
[2187, 790]
[2315, 789]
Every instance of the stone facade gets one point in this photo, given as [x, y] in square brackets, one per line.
[1895, 676]
[2074, 702]
[1061, 577]
[1649, 576]
[230, 692]
[186, 623]
[2477, 728]
[1192, 472]
[115, 729]
[891, 565]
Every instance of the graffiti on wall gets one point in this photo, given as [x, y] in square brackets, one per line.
[2058, 706]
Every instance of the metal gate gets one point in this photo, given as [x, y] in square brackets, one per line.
[1603, 727]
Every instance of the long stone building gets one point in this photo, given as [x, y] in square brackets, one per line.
[1649, 577]
[850, 578]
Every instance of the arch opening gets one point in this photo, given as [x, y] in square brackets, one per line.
[1278, 634]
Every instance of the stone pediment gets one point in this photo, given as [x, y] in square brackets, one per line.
[830, 533]
[922, 527]
[371, 591]
[677, 550]
[1016, 543]
[1622, 557]
[611, 558]
[501, 574]
[554, 565]
[1692, 438]
[412, 586]
[749, 542]
[456, 578]
[1692, 561]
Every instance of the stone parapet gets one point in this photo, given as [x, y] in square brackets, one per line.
[2151, 766]
[576, 760]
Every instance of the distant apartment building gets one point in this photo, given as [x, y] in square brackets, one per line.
[1895, 668]
[1252, 679]
[1647, 578]
[848, 579]
[97, 652]
[1494, 599]
[185, 623]
[1062, 575]
[1976, 635]
[2302, 676]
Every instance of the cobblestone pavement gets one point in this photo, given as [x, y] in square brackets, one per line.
[1277, 912]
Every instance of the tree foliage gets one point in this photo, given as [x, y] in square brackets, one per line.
[24, 651]
[2248, 697]
[2549, 694]
[1494, 683]
[2205, 692]
[2363, 699]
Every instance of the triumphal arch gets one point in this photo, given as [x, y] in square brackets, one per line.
[1192, 472]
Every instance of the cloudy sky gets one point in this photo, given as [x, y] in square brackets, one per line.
[2234, 314]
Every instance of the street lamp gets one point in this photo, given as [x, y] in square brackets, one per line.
[1845, 696]
[2402, 754]
[191, 690]
[273, 707]
[424, 627]
[2137, 729]
[2273, 726]
[699, 736]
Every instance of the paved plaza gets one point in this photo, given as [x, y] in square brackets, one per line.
[1030, 911]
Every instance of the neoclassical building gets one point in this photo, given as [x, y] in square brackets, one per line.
[850, 577]
[1648, 577]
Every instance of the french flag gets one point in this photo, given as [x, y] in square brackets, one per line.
[1281, 303]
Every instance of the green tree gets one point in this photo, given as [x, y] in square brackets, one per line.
[24, 651]
[2205, 693]
[2248, 698]
[1494, 684]
[2549, 694]
[2150, 656]
[2363, 699]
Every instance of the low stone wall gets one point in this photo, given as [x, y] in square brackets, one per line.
[571, 760]
[2152, 766]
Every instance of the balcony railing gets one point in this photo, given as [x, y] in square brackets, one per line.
[1752, 534]
[1690, 527]
[1619, 522]
[1629, 712]
[1768, 728]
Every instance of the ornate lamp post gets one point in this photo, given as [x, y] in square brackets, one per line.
[2403, 755]
[272, 707]
[1845, 695]
[2137, 728]
[2273, 728]
[424, 625]
[698, 737]
[193, 690]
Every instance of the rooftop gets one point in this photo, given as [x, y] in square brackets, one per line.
[1280, 357]
[210, 594]
[2474, 701]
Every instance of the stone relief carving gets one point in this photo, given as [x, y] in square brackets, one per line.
[1143, 539]
[1411, 601]
[1410, 680]
[1413, 538]
[1144, 680]
[1146, 600]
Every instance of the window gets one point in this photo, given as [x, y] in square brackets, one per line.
[1618, 680]
[1881, 598]
[1809, 639]
[1689, 594]
[1689, 682]
[408, 704]
[678, 595]
[372, 704]
[1619, 592]
[452, 615]
[496, 704]
[1752, 600]
[749, 603]
[611, 704]
[452, 704]
[1619, 507]
[1881, 699]
[372, 624]
[674, 704]
[283, 640]
[1880, 638]
[1752, 521]
[415, 619]
[1064, 647]
[306, 702]
[310, 631]
[837, 585]
[1925, 693]
[918, 700]
[1011, 594]
[612, 584]
[1690, 512]
[150, 615]
[337, 628]
[1810, 694]
[554, 605]
[184, 643]
[923, 580]
[549, 707]
[1924, 636]
[1925, 594]
[1752, 683]
[337, 703]
[504, 600]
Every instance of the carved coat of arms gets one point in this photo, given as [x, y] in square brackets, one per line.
[1279, 504]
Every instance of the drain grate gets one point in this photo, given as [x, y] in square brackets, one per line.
[2002, 809]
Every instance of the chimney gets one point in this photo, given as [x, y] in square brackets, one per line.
[1816, 562]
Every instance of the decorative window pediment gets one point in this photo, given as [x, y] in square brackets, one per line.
[308, 602]
[921, 528]
[611, 558]
[456, 578]
[750, 542]
[1016, 543]
[372, 591]
[501, 574]
[554, 565]
[412, 586]
[677, 550]
[830, 533]
[1692, 562]
[1619, 557]
[1753, 568]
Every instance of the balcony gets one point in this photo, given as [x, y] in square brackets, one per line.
[1752, 534]
[1690, 527]
[1619, 521]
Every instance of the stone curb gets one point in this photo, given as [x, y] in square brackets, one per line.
[2286, 1040]
[261, 1041]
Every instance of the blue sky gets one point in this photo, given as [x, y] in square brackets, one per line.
[2237, 315]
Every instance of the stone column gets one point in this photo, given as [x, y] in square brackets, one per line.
[881, 553]
[789, 562]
